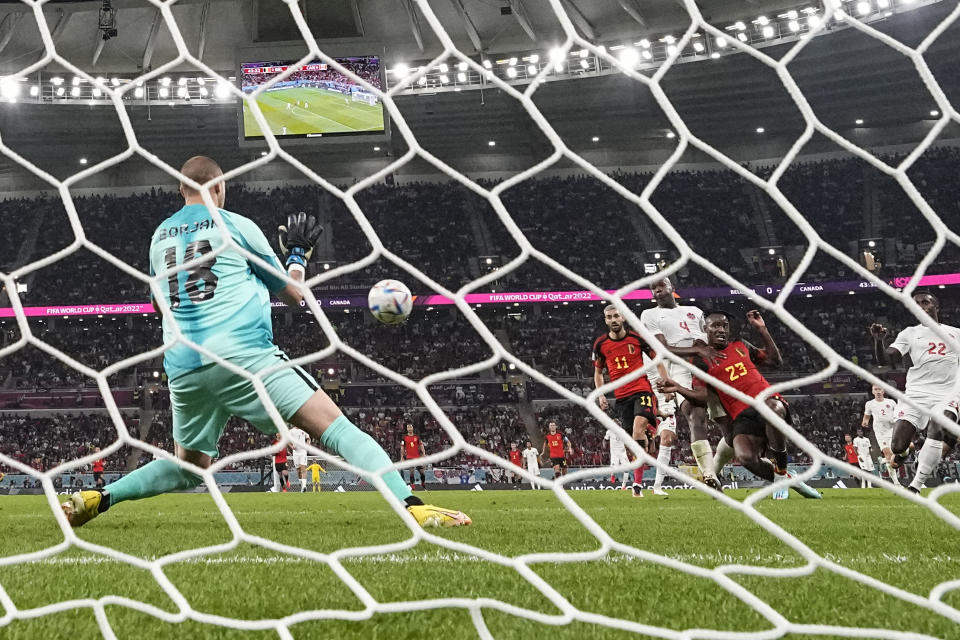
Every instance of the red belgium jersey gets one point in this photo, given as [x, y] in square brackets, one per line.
[411, 446]
[98, 466]
[555, 444]
[516, 458]
[281, 456]
[620, 357]
[738, 371]
[852, 456]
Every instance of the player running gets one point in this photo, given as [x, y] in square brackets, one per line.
[931, 378]
[618, 456]
[865, 459]
[879, 413]
[555, 441]
[222, 303]
[679, 329]
[750, 434]
[298, 441]
[621, 352]
[532, 457]
[412, 449]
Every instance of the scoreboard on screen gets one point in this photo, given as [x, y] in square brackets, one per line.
[280, 68]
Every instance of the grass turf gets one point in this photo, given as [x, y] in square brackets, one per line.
[328, 112]
[866, 530]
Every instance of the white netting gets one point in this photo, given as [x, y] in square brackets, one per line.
[721, 575]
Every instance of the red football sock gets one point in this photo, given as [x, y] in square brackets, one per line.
[638, 474]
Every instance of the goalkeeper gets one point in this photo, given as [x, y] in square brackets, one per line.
[223, 304]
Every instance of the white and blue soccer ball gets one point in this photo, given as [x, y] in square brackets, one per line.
[390, 301]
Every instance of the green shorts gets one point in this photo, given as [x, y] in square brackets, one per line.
[204, 399]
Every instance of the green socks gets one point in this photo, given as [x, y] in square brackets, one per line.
[160, 476]
[360, 450]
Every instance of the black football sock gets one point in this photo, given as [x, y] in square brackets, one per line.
[104, 501]
[780, 458]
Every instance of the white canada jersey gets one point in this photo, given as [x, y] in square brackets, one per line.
[298, 437]
[681, 326]
[617, 447]
[530, 457]
[862, 445]
[935, 363]
[882, 412]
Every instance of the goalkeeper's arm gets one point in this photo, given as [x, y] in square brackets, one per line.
[297, 241]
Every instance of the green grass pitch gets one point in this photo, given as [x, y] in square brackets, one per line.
[869, 531]
[325, 112]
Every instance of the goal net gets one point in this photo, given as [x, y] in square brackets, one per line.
[361, 96]
[617, 551]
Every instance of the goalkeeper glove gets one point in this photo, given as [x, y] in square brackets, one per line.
[298, 238]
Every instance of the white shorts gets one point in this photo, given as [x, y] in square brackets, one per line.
[934, 405]
[667, 424]
[534, 469]
[884, 435]
[866, 464]
[618, 460]
[715, 409]
[299, 458]
[681, 376]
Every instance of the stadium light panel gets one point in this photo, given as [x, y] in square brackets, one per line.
[491, 143]
[59, 92]
[771, 251]
[768, 32]
[462, 66]
[376, 148]
[534, 58]
[871, 244]
[222, 91]
[935, 113]
[511, 72]
[182, 92]
[760, 129]
[34, 91]
[742, 37]
[201, 81]
[76, 81]
[138, 92]
[863, 8]
[646, 55]
[444, 79]
[763, 21]
[858, 121]
[115, 82]
[83, 161]
[595, 139]
[698, 47]
[629, 57]
[75, 92]
[584, 65]
[883, 4]
[165, 82]
[557, 55]
[531, 70]
[671, 135]
[182, 82]
[512, 62]
[739, 26]
[813, 21]
[669, 39]
[164, 92]
[422, 80]
[792, 14]
[715, 55]
[401, 70]
[9, 88]
[644, 43]
[97, 93]
[461, 77]
[721, 43]
[443, 68]
[203, 92]
[671, 49]
[583, 53]
[487, 64]
[56, 81]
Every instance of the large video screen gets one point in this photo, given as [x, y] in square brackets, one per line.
[316, 100]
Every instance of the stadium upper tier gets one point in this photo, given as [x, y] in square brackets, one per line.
[454, 235]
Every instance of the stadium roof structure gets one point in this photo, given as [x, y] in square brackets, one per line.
[848, 77]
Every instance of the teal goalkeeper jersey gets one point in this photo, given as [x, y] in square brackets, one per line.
[223, 305]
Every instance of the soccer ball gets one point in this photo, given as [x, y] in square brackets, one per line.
[390, 301]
